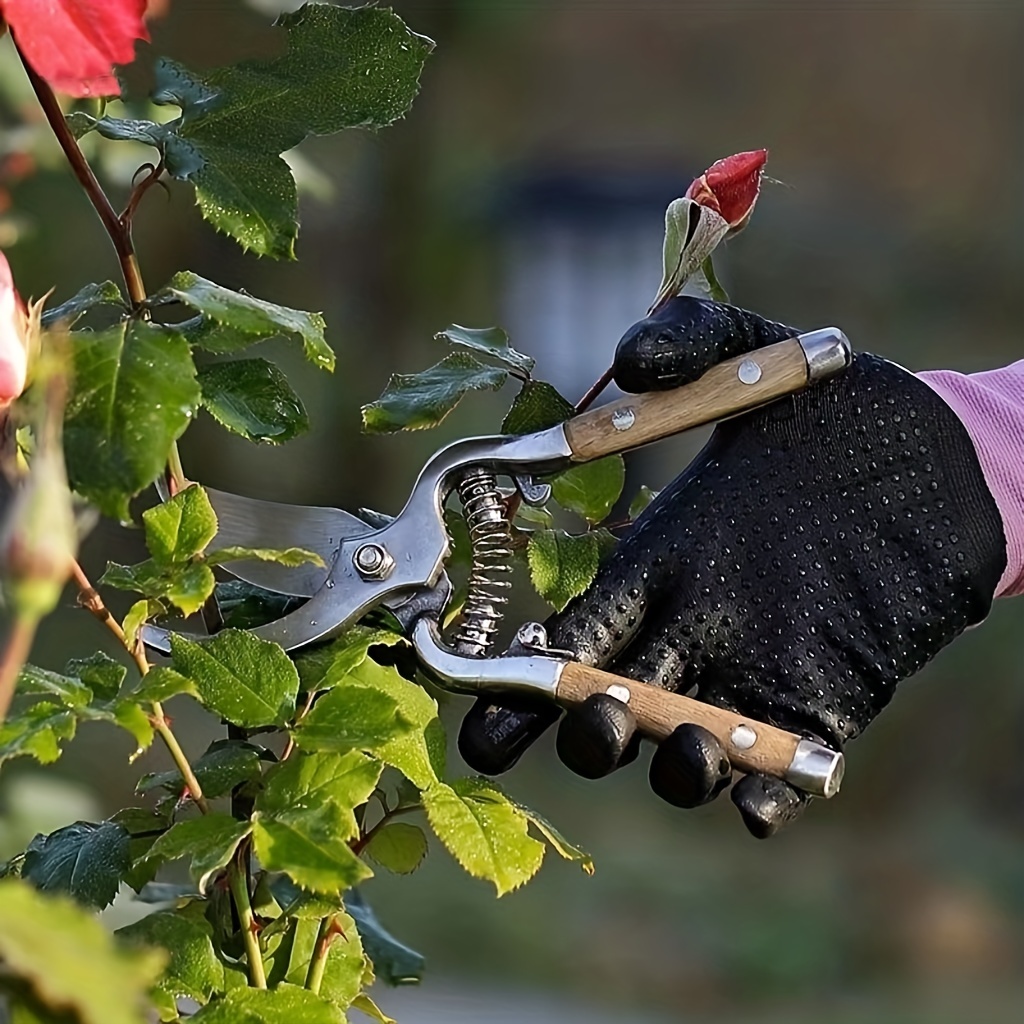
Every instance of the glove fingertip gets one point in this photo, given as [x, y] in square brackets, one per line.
[493, 736]
[766, 804]
[690, 767]
[597, 736]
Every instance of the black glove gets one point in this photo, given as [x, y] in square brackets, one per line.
[816, 552]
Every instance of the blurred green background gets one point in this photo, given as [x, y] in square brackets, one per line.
[527, 189]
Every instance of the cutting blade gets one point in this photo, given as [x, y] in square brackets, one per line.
[253, 523]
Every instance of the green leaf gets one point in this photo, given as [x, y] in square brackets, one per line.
[283, 556]
[590, 489]
[252, 316]
[351, 718]
[308, 845]
[399, 847]
[286, 1004]
[715, 290]
[161, 683]
[137, 616]
[92, 295]
[189, 588]
[346, 968]
[419, 753]
[485, 832]
[143, 578]
[641, 500]
[220, 339]
[187, 585]
[85, 860]
[101, 673]
[537, 407]
[210, 841]
[252, 397]
[134, 394]
[492, 341]
[562, 566]
[36, 732]
[311, 780]
[365, 1005]
[323, 667]
[394, 962]
[130, 717]
[180, 528]
[343, 69]
[558, 842]
[193, 970]
[144, 827]
[226, 764]
[248, 681]
[70, 960]
[69, 690]
[417, 401]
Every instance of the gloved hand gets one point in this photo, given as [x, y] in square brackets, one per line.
[816, 552]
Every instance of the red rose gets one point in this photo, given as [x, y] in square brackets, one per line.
[730, 186]
[75, 44]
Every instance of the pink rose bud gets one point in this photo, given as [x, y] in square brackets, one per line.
[730, 186]
[14, 338]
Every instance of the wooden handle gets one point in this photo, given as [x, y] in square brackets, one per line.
[726, 389]
[751, 746]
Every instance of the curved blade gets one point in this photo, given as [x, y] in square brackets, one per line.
[253, 523]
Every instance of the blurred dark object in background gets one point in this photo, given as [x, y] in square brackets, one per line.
[527, 189]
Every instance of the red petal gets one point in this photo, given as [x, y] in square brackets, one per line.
[735, 183]
[74, 44]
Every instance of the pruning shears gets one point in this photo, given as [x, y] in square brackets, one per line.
[401, 566]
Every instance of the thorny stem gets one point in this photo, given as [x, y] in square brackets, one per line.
[119, 232]
[15, 654]
[328, 931]
[240, 894]
[358, 845]
[151, 179]
[595, 389]
[90, 599]
[119, 229]
[290, 745]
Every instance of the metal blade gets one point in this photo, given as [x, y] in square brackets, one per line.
[253, 523]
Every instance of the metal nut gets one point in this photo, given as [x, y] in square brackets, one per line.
[373, 562]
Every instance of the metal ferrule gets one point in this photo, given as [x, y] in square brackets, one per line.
[827, 351]
[816, 769]
[523, 674]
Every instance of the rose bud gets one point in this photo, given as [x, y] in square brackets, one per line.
[717, 204]
[730, 187]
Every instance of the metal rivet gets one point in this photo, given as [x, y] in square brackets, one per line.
[619, 692]
[743, 737]
[623, 419]
[749, 372]
[373, 562]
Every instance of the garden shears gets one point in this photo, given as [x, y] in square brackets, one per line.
[400, 565]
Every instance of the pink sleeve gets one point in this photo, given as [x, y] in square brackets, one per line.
[991, 407]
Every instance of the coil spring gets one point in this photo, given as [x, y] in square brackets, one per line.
[490, 540]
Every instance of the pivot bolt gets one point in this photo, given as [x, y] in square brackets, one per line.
[374, 562]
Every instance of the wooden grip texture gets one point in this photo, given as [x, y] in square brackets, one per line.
[734, 386]
[751, 746]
